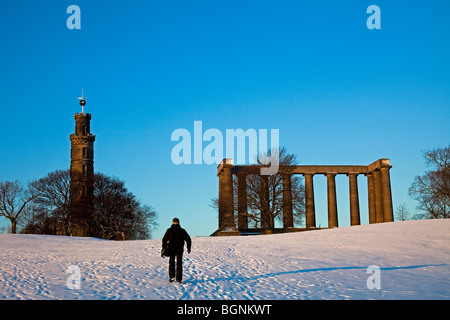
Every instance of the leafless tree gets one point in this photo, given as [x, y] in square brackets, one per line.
[13, 200]
[258, 210]
[432, 190]
[53, 205]
[402, 213]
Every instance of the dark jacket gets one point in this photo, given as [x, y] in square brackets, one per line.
[176, 236]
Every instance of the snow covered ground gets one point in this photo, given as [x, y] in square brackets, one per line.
[413, 257]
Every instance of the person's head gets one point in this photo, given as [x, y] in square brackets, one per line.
[175, 221]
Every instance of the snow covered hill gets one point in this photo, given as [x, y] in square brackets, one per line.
[413, 257]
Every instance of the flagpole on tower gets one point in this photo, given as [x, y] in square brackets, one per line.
[82, 100]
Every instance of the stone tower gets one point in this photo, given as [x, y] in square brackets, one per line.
[81, 173]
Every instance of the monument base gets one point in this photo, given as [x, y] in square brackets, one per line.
[256, 231]
[225, 232]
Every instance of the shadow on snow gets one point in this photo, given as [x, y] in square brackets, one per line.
[275, 274]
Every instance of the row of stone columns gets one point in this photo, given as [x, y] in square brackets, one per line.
[379, 197]
[331, 200]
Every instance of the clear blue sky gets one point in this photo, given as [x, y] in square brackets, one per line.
[338, 92]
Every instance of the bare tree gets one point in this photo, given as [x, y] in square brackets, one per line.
[53, 205]
[432, 190]
[257, 203]
[263, 214]
[32, 218]
[402, 213]
[13, 199]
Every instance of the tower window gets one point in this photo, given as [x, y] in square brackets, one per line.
[84, 130]
[84, 169]
[84, 152]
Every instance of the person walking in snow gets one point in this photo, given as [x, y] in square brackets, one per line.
[173, 241]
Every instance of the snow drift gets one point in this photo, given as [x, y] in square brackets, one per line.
[413, 258]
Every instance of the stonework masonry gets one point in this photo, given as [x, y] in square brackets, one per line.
[82, 174]
[378, 185]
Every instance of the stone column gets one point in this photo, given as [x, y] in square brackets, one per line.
[371, 196]
[265, 208]
[332, 200]
[354, 199]
[226, 207]
[242, 201]
[288, 218]
[309, 201]
[378, 196]
[388, 213]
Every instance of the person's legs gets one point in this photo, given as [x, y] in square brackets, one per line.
[179, 266]
[172, 267]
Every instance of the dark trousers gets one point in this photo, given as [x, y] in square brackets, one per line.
[179, 275]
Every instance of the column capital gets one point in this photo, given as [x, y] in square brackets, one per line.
[380, 163]
[226, 163]
[385, 163]
[352, 174]
[286, 174]
[331, 174]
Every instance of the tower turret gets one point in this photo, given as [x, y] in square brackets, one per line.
[81, 173]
